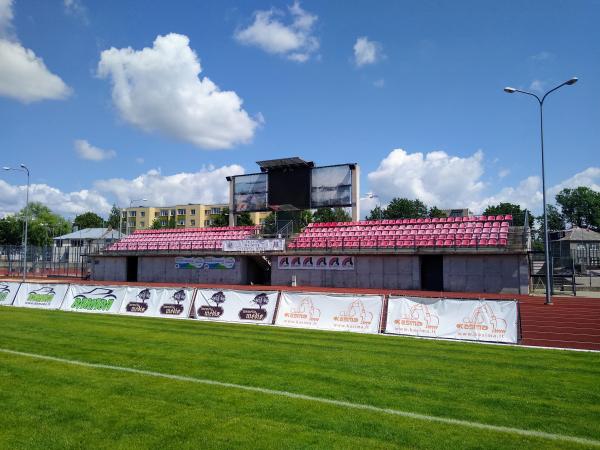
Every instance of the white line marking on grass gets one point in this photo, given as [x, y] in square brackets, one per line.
[310, 398]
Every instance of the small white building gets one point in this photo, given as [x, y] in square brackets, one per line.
[70, 247]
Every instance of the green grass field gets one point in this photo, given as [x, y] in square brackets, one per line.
[49, 404]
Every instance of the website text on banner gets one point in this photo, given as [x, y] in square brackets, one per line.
[357, 313]
[473, 320]
[8, 290]
[235, 306]
[156, 302]
[94, 299]
[45, 296]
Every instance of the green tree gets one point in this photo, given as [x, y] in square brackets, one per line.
[403, 208]
[516, 211]
[172, 222]
[222, 219]
[156, 224]
[331, 215]
[270, 224]
[243, 219]
[11, 230]
[43, 225]
[88, 220]
[580, 207]
[114, 218]
[435, 212]
[375, 214]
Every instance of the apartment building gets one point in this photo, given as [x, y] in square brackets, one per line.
[195, 215]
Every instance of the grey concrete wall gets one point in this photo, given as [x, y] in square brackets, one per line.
[499, 274]
[109, 268]
[390, 272]
[162, 269]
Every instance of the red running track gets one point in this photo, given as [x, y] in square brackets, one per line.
[571, 322]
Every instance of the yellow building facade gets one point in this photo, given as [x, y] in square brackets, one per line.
[195, 215]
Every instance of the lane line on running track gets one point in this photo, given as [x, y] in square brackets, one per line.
[310, 398]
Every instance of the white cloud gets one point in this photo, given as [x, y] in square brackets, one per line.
[139, 160]
[208, 185]
[294, 40]
[85, 150]
[12, 199]
[205, 186]
[23, 75]
[159, 89]
[446, 181]
[436, 178]
[76, 9]
[367, 52]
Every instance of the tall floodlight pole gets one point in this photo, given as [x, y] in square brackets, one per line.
[511, 90]
[127, 218]
[23, 168]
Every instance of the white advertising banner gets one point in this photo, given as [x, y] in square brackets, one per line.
[8, 290]
[157, 302]
[316, 262]
[254, 245]
[94, 299]
[473, 320]
[235, 306]
[44, 296]
[357, 313]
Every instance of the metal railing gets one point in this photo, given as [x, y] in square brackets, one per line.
[48, 261]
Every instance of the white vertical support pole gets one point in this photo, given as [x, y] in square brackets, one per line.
[231, 214]
[355, 192]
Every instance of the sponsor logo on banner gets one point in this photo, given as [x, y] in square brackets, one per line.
[476, 320]
[482, 323]
[418, 320]
[306, 313]
[98, 299]
[316, 262]
[355, 314]
[360, 314]
[174, 309]
[254, 245]
[208, 263]
[213, 311]
[41, 296]
[4, 292]
[236, 306]
[141, 306]
[255, 313]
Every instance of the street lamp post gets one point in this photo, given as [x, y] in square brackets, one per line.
[511, 90]
[24, 168]
[371, 195]
[127, 218]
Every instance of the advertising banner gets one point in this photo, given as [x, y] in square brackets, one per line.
[357, 313]
[206, 263]
[8, 290]
[254, 245]
[94, 299]
[44, 296]
[235, 306]
[157, 302]
[335, 262]
[473, 320]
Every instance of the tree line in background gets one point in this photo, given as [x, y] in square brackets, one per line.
[574, 207]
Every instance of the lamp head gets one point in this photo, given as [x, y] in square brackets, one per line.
[510, 90]
[572, 81]
[6, 168]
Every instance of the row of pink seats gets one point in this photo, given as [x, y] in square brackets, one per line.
[408, 232]
[501, 217]
[198, 230]
[409, 227]
[400, 243]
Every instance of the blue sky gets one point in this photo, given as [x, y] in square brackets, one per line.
[331, 82]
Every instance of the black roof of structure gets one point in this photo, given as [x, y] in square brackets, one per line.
[283, 163]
